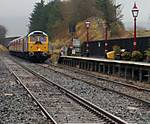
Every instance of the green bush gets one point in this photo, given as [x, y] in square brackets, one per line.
[126, 56]
[147, 52]
[117, 49]
[136, 56]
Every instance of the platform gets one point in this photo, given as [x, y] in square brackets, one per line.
[139, 71]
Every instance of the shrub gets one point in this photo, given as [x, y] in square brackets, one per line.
[147, 52]
[117, 49]
[126, 56]
[136, 56]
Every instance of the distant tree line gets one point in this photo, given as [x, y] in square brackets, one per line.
[57, 15]
[3, 31]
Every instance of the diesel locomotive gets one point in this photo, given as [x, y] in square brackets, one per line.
[34, 46]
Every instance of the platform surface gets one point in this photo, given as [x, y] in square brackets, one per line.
[109, 61]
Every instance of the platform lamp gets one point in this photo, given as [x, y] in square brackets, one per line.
[106, 38]
[87, 24]
[135, 12]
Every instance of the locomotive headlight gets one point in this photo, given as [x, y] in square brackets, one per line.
[39, 49]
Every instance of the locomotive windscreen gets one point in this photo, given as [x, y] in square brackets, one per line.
[35, 38]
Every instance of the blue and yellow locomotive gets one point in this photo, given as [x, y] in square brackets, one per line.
[35, 46]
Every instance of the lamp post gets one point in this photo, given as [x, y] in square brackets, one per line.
[105, 27]
[135, 12]
[87, 24]
[106, 36]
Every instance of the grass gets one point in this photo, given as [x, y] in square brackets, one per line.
[3, 49]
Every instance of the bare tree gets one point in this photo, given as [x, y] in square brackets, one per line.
[78, 10]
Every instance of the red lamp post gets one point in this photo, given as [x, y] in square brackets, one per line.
[87, 24]
[135, 12]
[106, 36]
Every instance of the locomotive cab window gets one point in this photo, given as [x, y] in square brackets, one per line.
[38, 38]
[42, 38]
[33, 38]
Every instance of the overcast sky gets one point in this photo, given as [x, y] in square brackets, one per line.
[144, 9]
[14, 14]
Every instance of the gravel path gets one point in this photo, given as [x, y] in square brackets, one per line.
[126, 108]
[16, 107]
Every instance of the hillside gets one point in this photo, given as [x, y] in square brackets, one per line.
[96, 32]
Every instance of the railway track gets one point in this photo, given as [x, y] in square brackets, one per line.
[15, 105]
[132, 91]
[81, 109]
[127, 108]
[87, 73]
[19, 81]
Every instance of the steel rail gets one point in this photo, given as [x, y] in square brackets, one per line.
[33, 97]
[101, 78]
[143, 101]
[97, 110]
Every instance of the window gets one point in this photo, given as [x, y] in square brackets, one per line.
[37, 38]
[42, 39]
[33, 38]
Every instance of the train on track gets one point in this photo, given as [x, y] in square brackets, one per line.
[34, 46]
